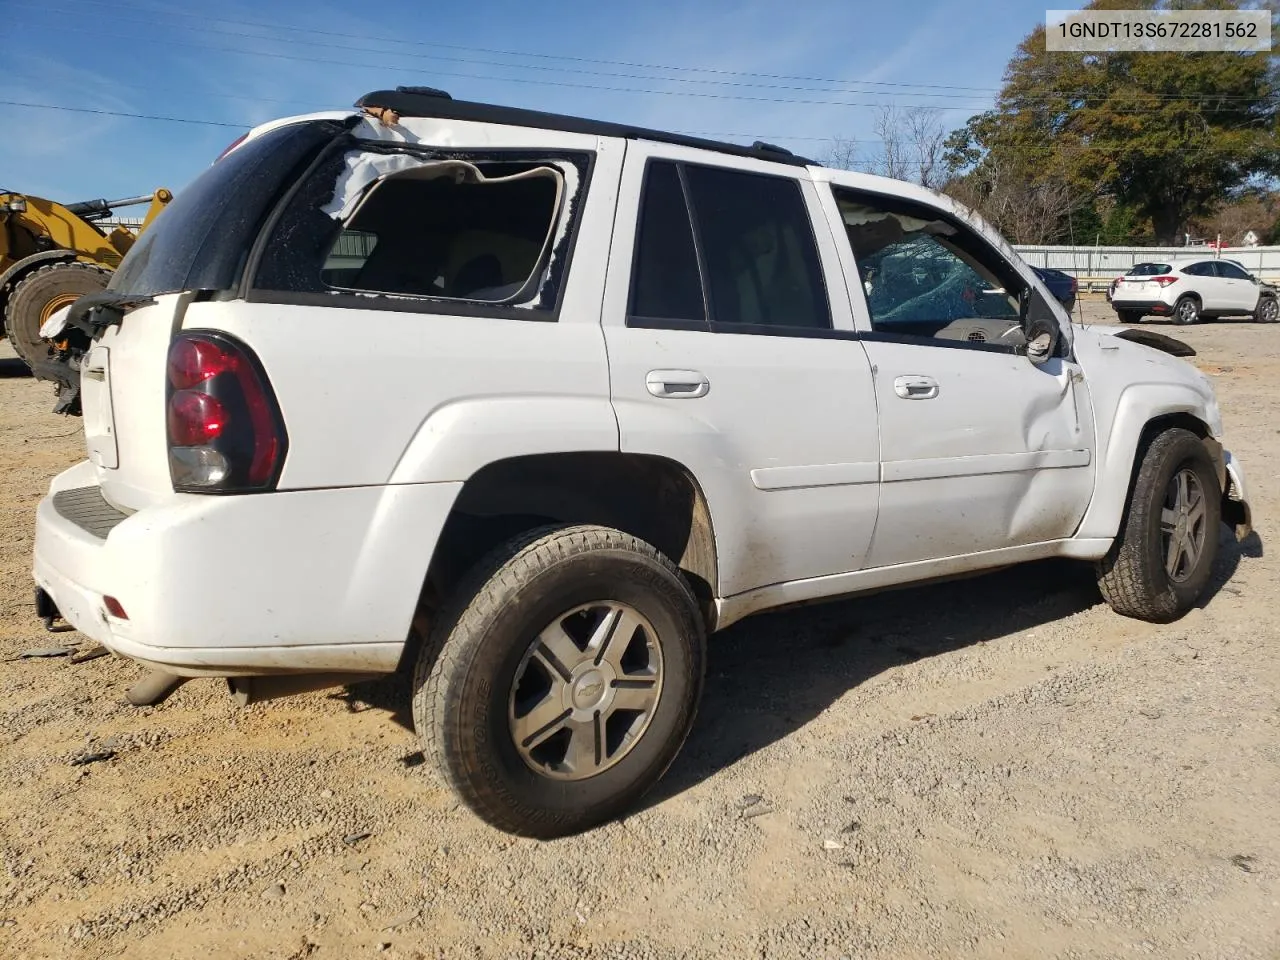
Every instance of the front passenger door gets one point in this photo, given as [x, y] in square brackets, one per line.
[980, 448]
[1240, 290]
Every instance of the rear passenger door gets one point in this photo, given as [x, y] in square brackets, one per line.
[1215, 293]
[732, 352]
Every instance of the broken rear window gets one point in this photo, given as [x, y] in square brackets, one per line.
[460, 231]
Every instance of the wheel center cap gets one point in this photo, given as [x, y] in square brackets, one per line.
[588, 690]
[1180, 531]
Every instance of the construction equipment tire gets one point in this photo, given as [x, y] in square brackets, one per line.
[41, 293]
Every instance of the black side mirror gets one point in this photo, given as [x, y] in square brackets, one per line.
[1039, 326]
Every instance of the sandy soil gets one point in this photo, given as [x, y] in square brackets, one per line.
[994, 767]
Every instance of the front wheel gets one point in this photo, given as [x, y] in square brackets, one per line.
[1267, 310]
[1186, 311]
[563, 679]
[1160, 563]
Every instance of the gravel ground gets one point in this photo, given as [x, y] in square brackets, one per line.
[993, 767]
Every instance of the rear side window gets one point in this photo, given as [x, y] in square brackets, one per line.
[457, 232]
[1148, 270]
[760, 258]
[202, 239]
[1199, 269]
[666, 284]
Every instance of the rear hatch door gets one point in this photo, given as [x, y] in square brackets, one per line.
[196, 248]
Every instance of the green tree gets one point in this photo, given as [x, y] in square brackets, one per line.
[1164, 137]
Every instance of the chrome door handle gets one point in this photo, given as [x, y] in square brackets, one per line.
[677, 384]
[916, 388]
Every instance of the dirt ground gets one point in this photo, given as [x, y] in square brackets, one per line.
[994, 767]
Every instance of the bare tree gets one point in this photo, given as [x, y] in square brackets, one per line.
[1024, 210]
[912, 145]
[843, 154]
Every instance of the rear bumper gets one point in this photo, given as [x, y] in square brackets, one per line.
[1141, 306]
[292, 582]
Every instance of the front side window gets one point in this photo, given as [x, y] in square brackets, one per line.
[478, 231]
[925, 276]
[1231, 271]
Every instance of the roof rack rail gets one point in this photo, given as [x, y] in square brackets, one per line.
[430, 102]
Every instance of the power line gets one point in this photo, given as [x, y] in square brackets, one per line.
[114, 5]
[909, 89]
[119, 113]
[328, 61]
[524, 80]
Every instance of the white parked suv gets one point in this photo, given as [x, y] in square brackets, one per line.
[1190, 290]
[528, 405]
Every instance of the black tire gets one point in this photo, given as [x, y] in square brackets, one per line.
[1267, 310]
[465, 678]
[41, 292]
[1128, 316]
[1133, 575]
[1186, 311]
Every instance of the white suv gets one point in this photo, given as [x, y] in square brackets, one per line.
[1190, 290]
[529, 404]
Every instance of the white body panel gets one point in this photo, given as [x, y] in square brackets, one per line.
[821, 479]
[323, 579]
[784, 443]
[999, 457]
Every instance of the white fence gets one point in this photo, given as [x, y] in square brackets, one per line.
[1110, 262]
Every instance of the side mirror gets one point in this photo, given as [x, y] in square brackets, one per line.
[1039, 326]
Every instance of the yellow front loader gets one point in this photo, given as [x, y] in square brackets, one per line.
[52, 254]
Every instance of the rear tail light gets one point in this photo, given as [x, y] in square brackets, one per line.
[225, 431]
[1165, 280]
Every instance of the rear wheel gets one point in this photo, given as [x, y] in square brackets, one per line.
[1161, 561]
[39, 295]
[1128, 316]
[562, 681]
[1186, 311]
[1267, 310]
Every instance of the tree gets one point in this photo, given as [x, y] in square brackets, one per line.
[912, 146]
[1165, 136]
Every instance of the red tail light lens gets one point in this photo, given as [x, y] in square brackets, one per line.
[1165, 280]
[226, 434]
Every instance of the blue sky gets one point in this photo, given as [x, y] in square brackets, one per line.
[239, 63]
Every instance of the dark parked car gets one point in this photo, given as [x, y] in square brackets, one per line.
[1061, 285]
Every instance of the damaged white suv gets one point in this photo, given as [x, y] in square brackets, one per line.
[529, 405]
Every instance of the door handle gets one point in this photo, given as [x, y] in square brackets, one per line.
[916, 388]
[677, 384]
